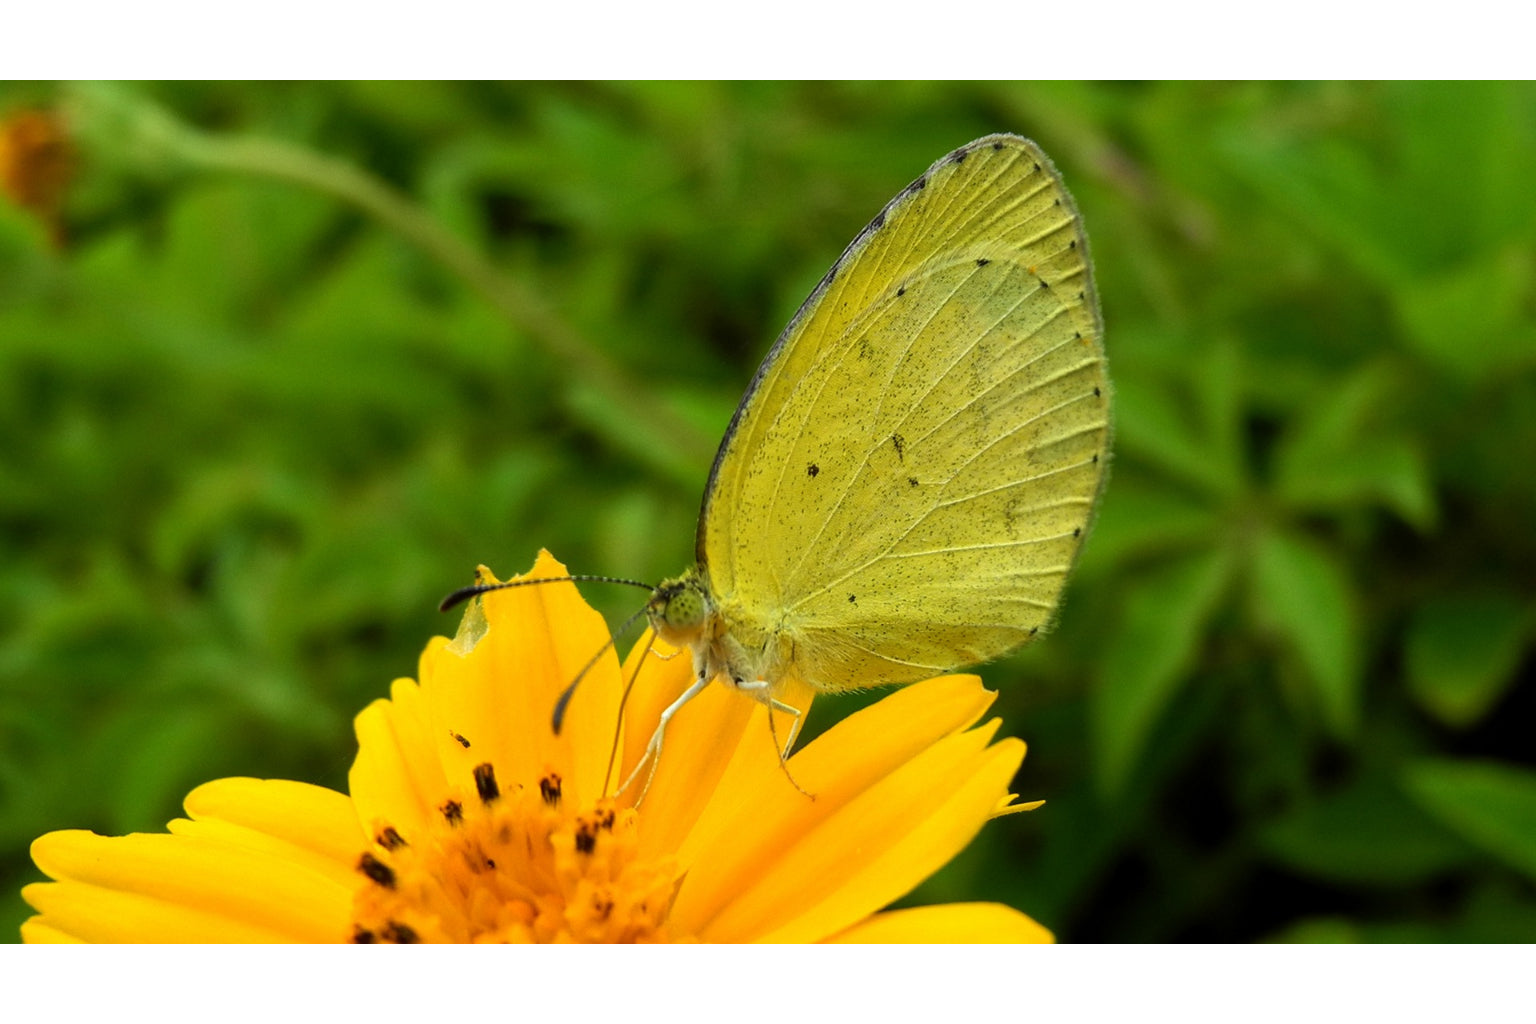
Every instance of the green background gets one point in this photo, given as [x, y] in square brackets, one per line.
[249, 436]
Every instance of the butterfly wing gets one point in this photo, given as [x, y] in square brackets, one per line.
[907, 483]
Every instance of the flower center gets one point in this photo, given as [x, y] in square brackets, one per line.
[515, 866]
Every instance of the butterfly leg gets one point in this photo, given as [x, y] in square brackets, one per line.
[653, 749]
[758, 691]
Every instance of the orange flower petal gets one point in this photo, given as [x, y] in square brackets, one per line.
[35, 931]
[759, 815]
[170, 887]
[846, 758]
[546, 635]
[951, 923]
[696, 751]
[397, 778]
[310, 817]
[342, 871]
[874, 848]
[86, 913]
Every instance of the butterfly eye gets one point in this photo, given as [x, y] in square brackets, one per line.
[684, 610]
[677, 610]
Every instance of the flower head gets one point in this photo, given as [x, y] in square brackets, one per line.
[470, 820]
[36, 162]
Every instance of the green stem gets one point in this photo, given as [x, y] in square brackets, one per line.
[157, 135]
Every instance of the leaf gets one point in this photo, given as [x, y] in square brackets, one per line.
[1492, 805]
[1153, 646]
[1306, 598]
[1462, 653]
[1335, 456]
[1151, 425]
[1318, 930]
[1472, 320]
[1139, 520]
[1366, 833]
[1218, 375]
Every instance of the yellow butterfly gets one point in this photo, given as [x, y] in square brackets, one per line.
[907, 482]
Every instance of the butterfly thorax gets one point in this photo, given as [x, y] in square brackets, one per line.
[725, 642]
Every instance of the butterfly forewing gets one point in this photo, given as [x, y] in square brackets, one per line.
[907, 484]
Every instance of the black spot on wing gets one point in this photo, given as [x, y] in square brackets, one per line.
[812, 469]
[982, 262]
[900, 444]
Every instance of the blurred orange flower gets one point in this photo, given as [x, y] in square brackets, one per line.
[36, 163]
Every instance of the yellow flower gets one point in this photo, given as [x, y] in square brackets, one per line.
[470, 821]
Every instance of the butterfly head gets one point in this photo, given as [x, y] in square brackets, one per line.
[679, 609]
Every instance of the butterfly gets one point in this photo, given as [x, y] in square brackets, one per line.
[908, 481]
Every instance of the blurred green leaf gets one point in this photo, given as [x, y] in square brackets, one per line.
[1152, 426]
[1336, 456]
[1319, 929]
[1144, 521]
[160, 748]
[1148, 654]
[1492, 804]
[1306, 598]
[1218, 380]
[1462, 653]
[1415, 191]
[1367, 833]
[1474, 320]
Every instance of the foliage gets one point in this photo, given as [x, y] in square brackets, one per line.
[249, 435]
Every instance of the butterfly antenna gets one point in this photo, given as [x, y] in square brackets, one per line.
[558, 718]
[476, 589]
[613, 752]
